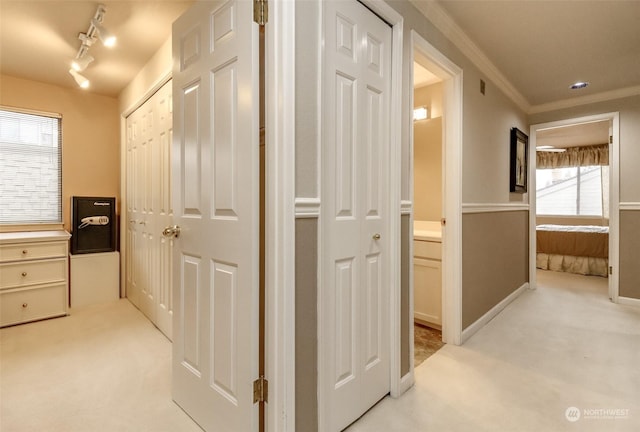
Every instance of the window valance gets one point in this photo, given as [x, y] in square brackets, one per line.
[574, 157]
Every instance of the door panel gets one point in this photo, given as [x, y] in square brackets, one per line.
[215, 172]
[357, 80]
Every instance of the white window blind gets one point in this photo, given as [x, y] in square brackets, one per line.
[30, 167]
[577, 191]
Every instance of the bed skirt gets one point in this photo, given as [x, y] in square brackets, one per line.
[573, 264]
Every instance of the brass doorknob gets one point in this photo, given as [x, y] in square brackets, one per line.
[376, 236]
[171, 231]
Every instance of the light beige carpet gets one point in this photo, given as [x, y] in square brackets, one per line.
[103, 368]
[563, 345]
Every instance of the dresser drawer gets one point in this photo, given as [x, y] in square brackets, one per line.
[29, 304]
[29, 251]
[426, 249]
[32, 272]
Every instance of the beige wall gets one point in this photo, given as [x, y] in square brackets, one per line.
[427, 155]
[431, 97]
[157, 70]
[629, 246]
[90, 136]
[427, 169]
[494, 259]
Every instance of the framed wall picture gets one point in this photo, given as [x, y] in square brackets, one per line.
[519, 161]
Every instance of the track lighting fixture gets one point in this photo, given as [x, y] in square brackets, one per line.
[83, 59]
[81, 80]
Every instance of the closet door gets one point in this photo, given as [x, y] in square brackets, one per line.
[148, 262]
[354, 348]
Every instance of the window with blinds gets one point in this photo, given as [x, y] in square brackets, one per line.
[30, 167]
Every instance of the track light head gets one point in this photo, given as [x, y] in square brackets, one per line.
[107, 38]
[81, 62]
[80, 80]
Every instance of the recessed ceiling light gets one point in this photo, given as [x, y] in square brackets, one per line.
[578, 85]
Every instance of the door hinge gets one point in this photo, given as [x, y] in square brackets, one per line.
[610, 139]
[260, 11]
[261, 390]
[610, 270]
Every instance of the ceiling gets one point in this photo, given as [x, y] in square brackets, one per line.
[577, 135]
[422, 77]
[39, 38]
[540, 47]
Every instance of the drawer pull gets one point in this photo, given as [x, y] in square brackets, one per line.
[24, 252]
[24, 274]
[24, 305]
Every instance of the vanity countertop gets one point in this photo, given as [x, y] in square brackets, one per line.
[427, 231]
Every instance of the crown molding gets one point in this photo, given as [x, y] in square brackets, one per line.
[586, 100]
[443, 22]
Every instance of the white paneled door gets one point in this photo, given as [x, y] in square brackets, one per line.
[148, 254]
[215, 171]
[354, 332]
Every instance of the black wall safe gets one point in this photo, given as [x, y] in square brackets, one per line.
[93, 225]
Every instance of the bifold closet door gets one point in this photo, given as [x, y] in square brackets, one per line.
[148, 254]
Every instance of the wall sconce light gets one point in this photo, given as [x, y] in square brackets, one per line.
[420, 113]
[81, 80]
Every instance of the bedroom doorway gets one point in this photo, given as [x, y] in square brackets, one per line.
[574, 167]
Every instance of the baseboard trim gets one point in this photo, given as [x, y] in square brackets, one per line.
[482, 321]
[628, 301]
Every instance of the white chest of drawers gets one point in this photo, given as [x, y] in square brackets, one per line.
[34, 281]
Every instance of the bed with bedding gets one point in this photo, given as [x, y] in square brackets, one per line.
[582, 249]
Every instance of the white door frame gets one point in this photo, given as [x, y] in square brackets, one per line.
[614, 195]
[280, 215]
[451, 74]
